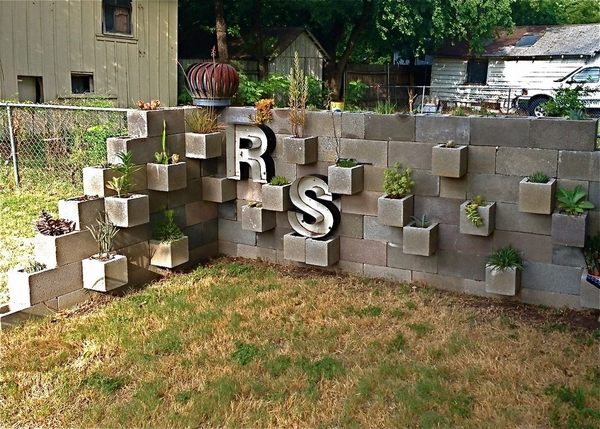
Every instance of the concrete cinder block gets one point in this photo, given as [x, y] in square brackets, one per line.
[202, 253]
[322, 253]
[440, 129]
[169, 254]
[394, 274]
[273, 239]
[203, 146]
[373, 178]
[363, 251]
[395, 211]
[373, 230]
[285, 169]
[345, 181]
[589, 293]
[209, 167]
[203, 233]
[54, 251]
[294, 247]
[28, 289]
[138, 255]
[218, 189]
[326, 124]
[281, 121]
[409, 154]
[536, 197]
[449, 162]
[257, 219]
[442, 210]
[249, 190]
[129, 236]
[319, 168]
[488, 215]
[254, 252]
[533, 247]
[468, 266]
[512, 132]
[594, 195]
[389, 127]
[72, 299]
[452, 283]
[194, 168]
[364, 203]
[569, 256]
[128, 212]
[549, 299]
[145, 123]
[199, 211]
[420, 241]
[426, 184]
[502, 188]
[276, 198]
[328, 150]
[301, 150]
[451, 239]
[551, 278]
[502, 282]
[232, 231]
[398, 259]
[238, 115]
[175, 120]
[373, 152]
[95, 179]
[228, 248]
[525, 161]
[569, 230]
[453, 188]
[351, 225]
[227, 210]
[552, 133]
[166, 177]
[508, 218]
[142, 149]
[579, 165]
[482, 159]
[84, 212]
[353, 125]
[104, 276]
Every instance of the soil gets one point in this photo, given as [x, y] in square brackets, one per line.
[84, 198]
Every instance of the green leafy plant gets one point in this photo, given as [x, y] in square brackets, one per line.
[450, 144]
[122, 184]
[397, 181]
[472, 210]
[279, 181]
[421, 222]
[346, 163]
[385, 107]
[459, 111]
[203, 121]
[104, 234]
[167, 230]
[33, 266]
[355, 91]
[163, 156]
[538, 177]
[47, 225]
[573, 202]
[505, 258]
[591, 252]
[297, 97]
[567, 103]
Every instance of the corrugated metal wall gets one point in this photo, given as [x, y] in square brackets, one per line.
[53, 39]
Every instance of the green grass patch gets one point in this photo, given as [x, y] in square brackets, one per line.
[244, 353]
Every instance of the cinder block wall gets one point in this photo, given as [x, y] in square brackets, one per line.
[501, 152]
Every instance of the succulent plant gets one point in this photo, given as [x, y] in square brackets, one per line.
[47, 225]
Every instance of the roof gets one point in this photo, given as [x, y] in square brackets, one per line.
[553, 41]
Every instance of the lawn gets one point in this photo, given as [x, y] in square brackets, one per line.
[247, 344]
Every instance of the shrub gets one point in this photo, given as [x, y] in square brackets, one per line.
[355, 91]
[385, 107]
[203, 121]
[538, 177]
[122, 184]
[591, 252]
[567, 102]
[505, 258]
[572, 202]
[397, 181]
[167, 230]
[279, 181]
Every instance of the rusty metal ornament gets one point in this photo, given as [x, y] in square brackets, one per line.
[212, 84]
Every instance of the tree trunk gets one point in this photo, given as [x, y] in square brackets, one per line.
[221, 27]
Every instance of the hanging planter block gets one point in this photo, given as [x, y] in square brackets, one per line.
[536, 197]
[502, 282]
[203, 146]
[257, 219]
[166, 177]
[420, 241]
[345, 181]
[169, 254]
[104, 276]
[569, 230]
[395, 211]
[487, 213]
[126, 212]
[449, 162]
[95, 179]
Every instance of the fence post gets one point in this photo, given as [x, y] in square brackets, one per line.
[422, 98]
[13, 147]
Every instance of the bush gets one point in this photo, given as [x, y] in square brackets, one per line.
[355, 91]
[397, 181]
[568, 103]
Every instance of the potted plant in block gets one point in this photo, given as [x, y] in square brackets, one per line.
[126, 210]
[420, 237]
[20, 281]
[167, 174]
[169, 248]
[346, 177]
[503, 271]
[449, 160]
[82, 210]
[298, 149]
[536, 194]
[589, 292]
[396, 206]
[276, 194]
[105, 270]
[256, 218]
[95, 179]
[477, 217]
[206, 136]
[569, 222]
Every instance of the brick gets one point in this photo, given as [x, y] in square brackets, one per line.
[453, 188]
[346, 181]
[451, 283]
[204, 146]
[128, 212]
[253, 252]
[169, 254]
[533, 247]
[494, 187]
[326, 124]
[513, 132]
[537, 197]
[563, 134]
[273, 239]
[285, 169]
[364, 251]
[452, 240]
[54, 251]
[457, 264]
[166, 178]
[397, 259]
[83, 213]
[525, 161]
[227, 210]
[426, 184]
[365, 151]
[413, 155]
[373, 230]
[482, 159]
[294, 247]
[549, 299]
[351, 225]
[394, 274]
[353, 125]
[218, 189]
[249, 190]
[145, 123]
[322, 253]
[508, 218]
[328, 149]
[364, 203]
[579, 165]
[228, 248]
[200, 211]
[569, 230]
[442, 210]
[281, 121]
[232, 231]
[440, 129]
[257, 219]
[568, 256]
[203, 233]
[373, 178]
[389, 127]
[301, 151]
[551, 278]
[318, 168]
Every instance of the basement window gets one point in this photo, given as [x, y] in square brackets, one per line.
[31, 88]
[477, 72]
[82, 83]
[116, 17]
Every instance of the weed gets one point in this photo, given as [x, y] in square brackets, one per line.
[372, 311]
[278, 366]
[398, 343]
[183, 396]
[420, 328]
[244, 353]
[104, 383]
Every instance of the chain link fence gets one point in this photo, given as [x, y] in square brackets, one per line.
[43, 143]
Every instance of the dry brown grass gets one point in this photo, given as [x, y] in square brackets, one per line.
[319, 351]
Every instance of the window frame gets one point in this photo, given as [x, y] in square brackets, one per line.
[468, 73]
[572, 79]
[132, 23]
[89, 76]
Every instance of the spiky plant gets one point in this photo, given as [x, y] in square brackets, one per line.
[297, 94]
[47, 225]
[421, 222]
[122, 184]
[163, 156]
[167, 230]
[203, 121]
[104, 234]
[538, 177]
[573, 202]
[505, 258]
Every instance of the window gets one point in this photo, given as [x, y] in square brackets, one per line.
[589, 75]
[527, 40]
[31, 88]
[82, 83]
[477, 72]
[116, 16]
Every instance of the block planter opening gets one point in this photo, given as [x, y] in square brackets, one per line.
[169, 254]
[301, 150]
[502, 282]
[203, 146]
[128, 211]
[104, 275]
[536, 198]
[256, 218]
[166, 177]
[420, 240]
[449, 161]
[345, 180]
[83, 211]
[395, 211]
[276, 197]
[481, 220]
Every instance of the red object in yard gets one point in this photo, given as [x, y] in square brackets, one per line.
[212, 84]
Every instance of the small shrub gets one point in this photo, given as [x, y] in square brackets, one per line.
[567, 102]
[385, 107]
[264, 111]
[279, 181]
[472, 210]
[203, 121]
[33, 266]
[346, 163]
[47, 225]
[505, 258]
[538, 177]
[104, 234]
[167, 230]
[122, 184]
[355, 91]
[397, 181]
[573, 202]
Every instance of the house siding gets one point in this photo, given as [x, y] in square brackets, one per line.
[52, 39]
[311, 58]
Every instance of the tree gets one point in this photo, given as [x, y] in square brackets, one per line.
[221, 30]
